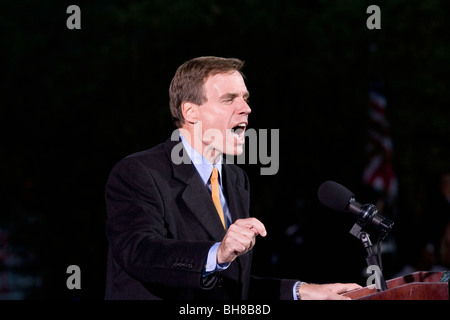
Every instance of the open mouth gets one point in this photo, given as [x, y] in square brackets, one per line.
[239, 129]
[238, 133]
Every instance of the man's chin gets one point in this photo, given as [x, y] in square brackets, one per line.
[235, 150]
[239, 150]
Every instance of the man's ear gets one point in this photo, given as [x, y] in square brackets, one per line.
[190, 112]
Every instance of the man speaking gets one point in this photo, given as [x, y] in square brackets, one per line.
[182, 229]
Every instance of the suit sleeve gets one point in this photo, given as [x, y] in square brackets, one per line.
[271, 288]
[138, 237]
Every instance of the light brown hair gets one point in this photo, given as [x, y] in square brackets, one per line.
[187, 83]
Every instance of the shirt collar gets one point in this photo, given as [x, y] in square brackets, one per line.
[203, 165]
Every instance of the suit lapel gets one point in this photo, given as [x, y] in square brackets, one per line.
[195, 194]
[237, 196]
[238, 203]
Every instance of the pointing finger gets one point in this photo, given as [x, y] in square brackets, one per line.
[253, 224]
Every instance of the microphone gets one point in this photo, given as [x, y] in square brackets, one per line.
[339, 198]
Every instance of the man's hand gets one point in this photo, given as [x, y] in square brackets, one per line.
[331, 291]
[239, 239]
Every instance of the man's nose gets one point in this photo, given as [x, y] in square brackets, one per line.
[244, 108]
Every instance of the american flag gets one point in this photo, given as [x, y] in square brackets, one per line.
[379, 172]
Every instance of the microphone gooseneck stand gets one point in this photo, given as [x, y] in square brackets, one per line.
[373, 260]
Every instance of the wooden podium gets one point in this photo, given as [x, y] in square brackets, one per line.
[421, 285]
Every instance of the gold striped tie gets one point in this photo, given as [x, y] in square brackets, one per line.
[215, 194]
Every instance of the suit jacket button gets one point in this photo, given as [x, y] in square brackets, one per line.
[220, 282]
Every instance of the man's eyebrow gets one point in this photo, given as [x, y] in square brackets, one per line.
[232, 95]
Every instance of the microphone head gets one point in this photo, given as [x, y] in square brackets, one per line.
[334, 196]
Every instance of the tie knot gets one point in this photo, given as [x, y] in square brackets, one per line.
[214, 174]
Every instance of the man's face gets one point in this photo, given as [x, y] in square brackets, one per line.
[224, 116]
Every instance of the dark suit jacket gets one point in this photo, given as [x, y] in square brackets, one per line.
[161, 223]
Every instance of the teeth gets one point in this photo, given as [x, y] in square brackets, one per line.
[238, 129]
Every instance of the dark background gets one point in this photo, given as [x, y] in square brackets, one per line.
[74, 102]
